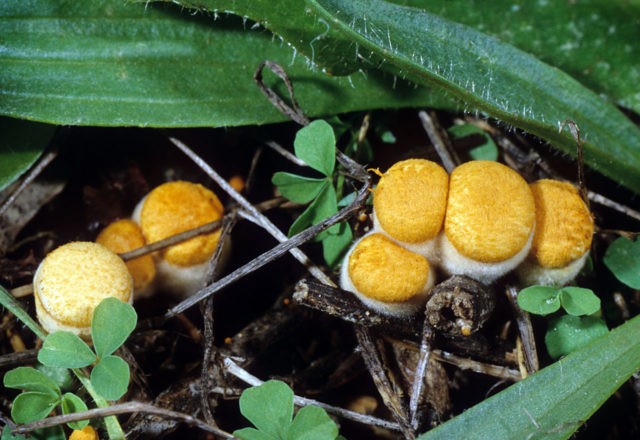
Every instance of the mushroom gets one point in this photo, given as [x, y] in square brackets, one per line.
[489, 223]
[409, 204]
[123, 236]
[564, 229]
[385, 276]
[72, 280]
[170, 209]
[86, 433]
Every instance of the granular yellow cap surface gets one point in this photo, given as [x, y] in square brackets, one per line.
[176, 207]
[87, 433]
[410, 200]
[382, 270]
[73, 279]
[123, 236]
[564, 226]
[490, 211]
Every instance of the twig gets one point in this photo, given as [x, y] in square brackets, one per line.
[213, 272]
[34, 172]
[417, 388]
[294, 111]
[526, 331]
[265, 223]
[390, 393]
[286, 153]
[122, 408]
[274, 253]
[18, 358]
[248, 378]
[604, 201]
[186, 235]
[440, 143]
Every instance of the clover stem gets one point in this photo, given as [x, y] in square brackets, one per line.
[114, 430]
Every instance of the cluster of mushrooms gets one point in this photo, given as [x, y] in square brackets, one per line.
[73, 279]
[483, 221]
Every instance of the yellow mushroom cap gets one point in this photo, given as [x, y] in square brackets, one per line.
[123, 236]
[72, 280]
[410, 200]
[86, 433]
[385, 276]
[490, 211]
[176, 207]
[564, 226]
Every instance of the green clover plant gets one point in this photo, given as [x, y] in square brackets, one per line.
[487, 150]
[113, 321]
[315, 144]
[566, 333]
[270, 408]
[623, 260]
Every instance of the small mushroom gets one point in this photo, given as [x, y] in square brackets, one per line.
[72, 280]
[123, 236]
[170, 209]
[86, 433]
[409, 205]
[489, 223]
[564, 230]
[385, 276]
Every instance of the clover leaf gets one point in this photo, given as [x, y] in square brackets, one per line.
[270, 408]
[568, 333]
[315, 144]
[623, 260]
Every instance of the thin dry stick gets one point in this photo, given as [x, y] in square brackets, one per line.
[186, 235]
[213, 272]
[246, 205]
[29, 177]
[286, 153]
[274, 253]
[122, 408]
[250, 379]
[375, 366]
[526, 331]
[292, 111]
[446, 153]
[417, 388]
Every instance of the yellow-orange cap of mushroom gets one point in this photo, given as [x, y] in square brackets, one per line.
[489, 223]
[409, 204]
[176, 207]
[72, 280]
[385, 276]
[123, 236]
[564, 230]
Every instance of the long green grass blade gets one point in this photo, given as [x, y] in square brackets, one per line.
[557, 400]
[491, 76]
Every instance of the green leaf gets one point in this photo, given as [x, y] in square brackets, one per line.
[21, 143]
[115, 63]
[7, 434]
[486, 151]
[540, 300]
[112, 323]
[12, 304]
[30, 379]
[298, 189]
[568, 333]
[312, 423]
[323, 206]
[252, 434]
[269, 407]
[578, 301]
[110, 377]
[623, 260]
[481, 71]
[64, 349]
[52, 433]
[555, 401]
[73, 404]
[32, 405]
[315, 144]
[335, 245]
[59, 375]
